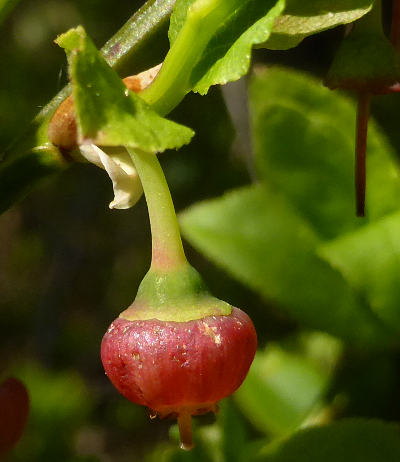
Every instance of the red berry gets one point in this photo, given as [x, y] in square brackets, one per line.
[14, 410]
[179, 368]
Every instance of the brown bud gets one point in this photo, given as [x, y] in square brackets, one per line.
[63, 131]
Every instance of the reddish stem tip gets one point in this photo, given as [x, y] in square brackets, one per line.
[185, 430]
[361, 151]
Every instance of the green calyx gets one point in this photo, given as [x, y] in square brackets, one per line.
[366, 60]
[176, 295]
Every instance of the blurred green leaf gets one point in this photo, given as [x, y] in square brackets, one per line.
[369, 259]
[268, 236]
[19, 176]
[211, 43]
[320, 349]
[227, 55]
[59, 404]
[257, 236]
[280, 390]
[284, 387]
[346, 441]
[6, 6]
[107, 114]
[303, 137]
[56, 398]
[301, 19]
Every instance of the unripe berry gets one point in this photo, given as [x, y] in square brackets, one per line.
[168, 365]
[179, 368]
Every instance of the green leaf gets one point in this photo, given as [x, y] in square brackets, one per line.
[268, 236]
[304, 18]
[303, 137]
[234, 444]
[107, 113]
[227, 55]
[282, 388]
[369, 259]
[353, 440]
[211, 43]
[257, 236]
[61, 403]
[178, 18]
[6, 7]
[56, 398]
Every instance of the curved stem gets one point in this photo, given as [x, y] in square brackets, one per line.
[167, 249]
[185, 430]
[361, 151]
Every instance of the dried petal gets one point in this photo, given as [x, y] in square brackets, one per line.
[119, 166]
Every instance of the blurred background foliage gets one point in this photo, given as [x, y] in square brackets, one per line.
[320, 285]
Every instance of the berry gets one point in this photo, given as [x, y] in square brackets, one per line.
[179, 368]
[14, 410]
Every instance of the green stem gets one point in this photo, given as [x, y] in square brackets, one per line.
[173, 82]
[167, 249]
[141, 40]
[6, 7]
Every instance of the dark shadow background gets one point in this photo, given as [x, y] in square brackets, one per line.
[69, 265]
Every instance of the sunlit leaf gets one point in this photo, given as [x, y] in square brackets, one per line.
[304, 18]
[281, 389]
[346, 441]
[227, 54]
[369, 259]
[303, 137]
[6, 7]
[259, 238]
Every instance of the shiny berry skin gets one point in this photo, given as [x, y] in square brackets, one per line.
[174, 367]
